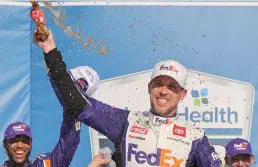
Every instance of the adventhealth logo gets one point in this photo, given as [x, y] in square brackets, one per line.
[200, 96]
[215, 114]
[220, 115]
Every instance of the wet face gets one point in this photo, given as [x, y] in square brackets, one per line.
[241, 160]
[19, 148]
[165, 94]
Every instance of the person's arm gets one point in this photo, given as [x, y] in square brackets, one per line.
[63, 85]
[69, 139]
[205, 155]
[70, 98]
[68, 142]
[106, 119]
[63, 152]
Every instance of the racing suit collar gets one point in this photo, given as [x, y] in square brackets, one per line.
[28, 164]
[158, 120]
[154, 113]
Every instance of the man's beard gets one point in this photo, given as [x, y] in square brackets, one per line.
[164, 114]
[13, 163]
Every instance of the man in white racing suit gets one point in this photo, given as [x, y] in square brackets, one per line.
[157, 137]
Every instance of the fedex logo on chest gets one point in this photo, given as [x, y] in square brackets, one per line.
[162, 157]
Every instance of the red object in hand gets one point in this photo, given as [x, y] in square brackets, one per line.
[38, 16]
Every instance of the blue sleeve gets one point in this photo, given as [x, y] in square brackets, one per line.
[205, 155]
[69, 96]
[63, 153]
[104, 118]
[72, 104]
[69, 140]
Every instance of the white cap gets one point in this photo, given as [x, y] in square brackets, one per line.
[87, 73]
[172, 69]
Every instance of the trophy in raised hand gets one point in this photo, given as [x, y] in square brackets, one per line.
[38, 16]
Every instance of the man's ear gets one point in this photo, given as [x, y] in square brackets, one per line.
[5, 146]
[226, 161]
[149, 89]
[183, 94]
[252, 159]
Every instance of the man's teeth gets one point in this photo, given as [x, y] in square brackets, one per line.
[162, 100]
[19, 152]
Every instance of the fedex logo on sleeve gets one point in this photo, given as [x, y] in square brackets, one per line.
[161, 158]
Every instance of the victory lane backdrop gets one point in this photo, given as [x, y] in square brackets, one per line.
[218, 40]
